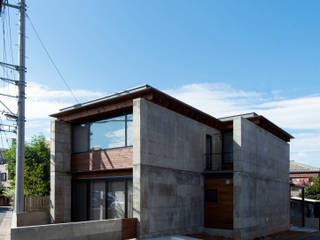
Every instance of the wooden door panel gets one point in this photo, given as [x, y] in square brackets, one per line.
[219, 213]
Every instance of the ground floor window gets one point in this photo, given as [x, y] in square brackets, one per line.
[95, 199]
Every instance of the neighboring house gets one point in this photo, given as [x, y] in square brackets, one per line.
[302, 174]
[3, 171]
[144, 154]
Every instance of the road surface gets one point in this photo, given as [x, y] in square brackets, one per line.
[5, 223]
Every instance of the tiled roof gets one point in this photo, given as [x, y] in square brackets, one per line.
[300, 167]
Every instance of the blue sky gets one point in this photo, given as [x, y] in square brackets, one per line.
[223, 57]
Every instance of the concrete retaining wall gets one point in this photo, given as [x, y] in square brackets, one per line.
[32, 218]
[261, 181]
[97, 230]
[168, 159]
[60, 178]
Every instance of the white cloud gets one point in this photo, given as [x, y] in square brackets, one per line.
[216, 99]
[306, 148]
[221, 100]
[298, 116]
[299, 113]
[42, 101]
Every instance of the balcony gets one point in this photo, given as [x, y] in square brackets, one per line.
[218, 162]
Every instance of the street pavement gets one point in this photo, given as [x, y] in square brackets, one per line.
[5, 223]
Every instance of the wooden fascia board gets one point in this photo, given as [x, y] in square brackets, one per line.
[97, 113]
[143, 94]
[263, 123]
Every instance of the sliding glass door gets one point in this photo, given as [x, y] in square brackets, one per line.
[116, 199]
[96, 199]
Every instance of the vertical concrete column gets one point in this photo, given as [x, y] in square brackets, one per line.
[136, 161]
[60, 177]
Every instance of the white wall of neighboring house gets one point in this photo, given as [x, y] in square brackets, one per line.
[3, 170]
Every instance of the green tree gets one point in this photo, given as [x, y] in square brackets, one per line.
[313, 190]
[36, 166]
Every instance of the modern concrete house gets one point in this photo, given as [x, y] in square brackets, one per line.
[143, 154]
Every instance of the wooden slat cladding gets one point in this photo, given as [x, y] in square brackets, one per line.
[219, 214]
[118, 158]
[129, 228]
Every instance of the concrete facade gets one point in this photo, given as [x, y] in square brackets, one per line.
[92, 230]
[261, 181]
[168, 161]
[173, 193]
[60, 178]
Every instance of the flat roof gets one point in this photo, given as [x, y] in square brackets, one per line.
[122, 103]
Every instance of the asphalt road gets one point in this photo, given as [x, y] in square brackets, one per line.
[3, 211]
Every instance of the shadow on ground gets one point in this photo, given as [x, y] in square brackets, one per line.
[288, 235]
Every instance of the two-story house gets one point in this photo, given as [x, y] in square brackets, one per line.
[142, 153]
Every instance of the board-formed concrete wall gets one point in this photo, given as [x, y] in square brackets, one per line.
[89, 230]
[60, 178]
[168, 159]
[261, 181]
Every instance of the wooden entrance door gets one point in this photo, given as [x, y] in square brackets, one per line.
[218, 197]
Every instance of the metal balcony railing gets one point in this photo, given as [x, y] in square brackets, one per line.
[212, 159]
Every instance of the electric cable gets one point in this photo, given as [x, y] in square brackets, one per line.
[51, 59]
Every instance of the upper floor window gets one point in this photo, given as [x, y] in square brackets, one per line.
[3, 177]
[208, 152]
[109, 133]
[227, 139]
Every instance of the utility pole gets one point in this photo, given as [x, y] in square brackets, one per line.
[20, 117]
[19, 188]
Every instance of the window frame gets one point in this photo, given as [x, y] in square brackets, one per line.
[208, 154]
[126, 134]
[106, 180]
[224, 162]
[3, 179]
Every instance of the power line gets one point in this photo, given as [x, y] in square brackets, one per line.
[50, 58]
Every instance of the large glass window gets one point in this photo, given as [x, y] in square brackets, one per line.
[101, 199]
[109, 133]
